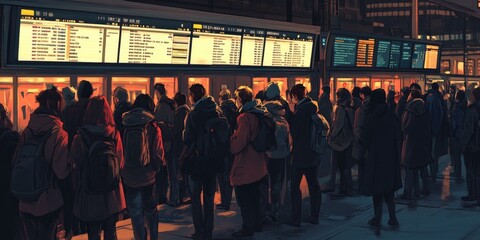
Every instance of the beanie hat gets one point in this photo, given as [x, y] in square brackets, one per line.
[85, 89]
[121, 94]
[272, 91]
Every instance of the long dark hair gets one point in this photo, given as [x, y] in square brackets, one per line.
[144, 101]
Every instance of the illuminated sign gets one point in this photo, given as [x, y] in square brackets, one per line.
[383, 54]
[253, 42]
[344, 49]
[395, 55]
[406, 59]
[284, 49]
[418, 57]
[431, 57]
[365, 52]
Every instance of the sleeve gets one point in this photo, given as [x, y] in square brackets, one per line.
[157, 149]
[290, 139]
[468, 128]
[407, 122]
[398, 137]
[338, 122]
[241, 137]
[190, 130]
[120, 149]
[61, 163]
[358, 123]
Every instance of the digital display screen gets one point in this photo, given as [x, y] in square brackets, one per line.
[154, 41]
[215, 44]
[431, 57]
[406, 55]
[284, 49]
[383, 54]
[365, 50]
[344, 49]
[395, 54]
[253, 42]
[56, 36]
[418, 56]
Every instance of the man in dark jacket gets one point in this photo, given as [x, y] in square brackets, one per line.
[139, 181]
[203, 177]
[358, 152]
[72, 116]
[383, 139]
[356, 100]
[471, 147]
[181, 111]
[456, 128]
[325, 106]
[304, 160]
[122, 105]
[230, 111]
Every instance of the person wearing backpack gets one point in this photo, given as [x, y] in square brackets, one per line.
[249, 169]
[230, 111]
[97, 152]
[181, 112]
[8, 204]
[40, 161]
[470, 141]
[341, 139]
[277, 157]
[122, 105]
[206, 137]
[168, 174]
[305, 160]
[143, 150]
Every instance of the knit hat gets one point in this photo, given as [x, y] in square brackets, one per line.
[272, 91]
[121, 94]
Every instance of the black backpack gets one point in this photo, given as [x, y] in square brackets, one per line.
[319, 133]
[136, 145]
[265, 138]
[31, 173]
[101, 167]
[216, 138]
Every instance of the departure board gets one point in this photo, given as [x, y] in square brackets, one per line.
[215, 44]
[395, 53]
[253, 42]
[418, 56]
[365, 50]
[406, 55]
[284, 49]
[154, 41]
[383, 54]
[431, 57]
[57, 36]
[344, 49]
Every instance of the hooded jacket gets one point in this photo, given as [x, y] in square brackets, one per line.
[458, 116]
[56, 153]
[470, 125]
[96, 206]
[416, 149]
[358, 152]
[120, 108]
[272, 93]
[137, 177]
[303, 155]
[282, 131]
[178, 127]
[341, 134]
[230, 111]
[164, 113]
[72, 118]
[248, 165]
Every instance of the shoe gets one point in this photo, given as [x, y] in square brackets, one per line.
[197, 236]
[374, 222]
[243, 233]
[312, 220]
[468, 198]
[173, 204]
[293, 223]
[393, 222]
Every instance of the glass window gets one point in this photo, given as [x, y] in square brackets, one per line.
[28, 89]
[344, 83]
[362, 82]
[171, 85]
[259, 84]
[98, 85]
[134, 85]
[460, 68]
[282, 84]
[205, 81]
[6, 95]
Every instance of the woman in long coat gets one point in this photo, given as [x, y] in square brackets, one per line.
[382, 138]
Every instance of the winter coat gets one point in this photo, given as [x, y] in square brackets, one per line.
[282, 131]
[470, 126]
[383, 139]
[341, 133]
[303, 155]
[178, 127]
[325, 107]
[137, 177]
[120, 108]
[164, 114]
[416, 149]
[56, 153]
[230, 111]
[358, 152]
[248, 165]
[90, 207]
[355, 103]
[72, 118]
[458, 116]
[402, 102]
[436, 109]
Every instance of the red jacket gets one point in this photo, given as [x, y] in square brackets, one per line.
[249, 165]
[56, 151]
[96, 207]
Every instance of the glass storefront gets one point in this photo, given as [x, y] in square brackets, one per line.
[6, 95]
[171, 85]
[305, 81]
[282, 84]
[259, 84]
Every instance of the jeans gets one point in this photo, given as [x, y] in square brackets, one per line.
[42, 227]
[226, 188]
[172, 177]
[311, 174]
[378, 205]
[94, 229]
[249, 200]
[142, 206]
[276, 174]
[203, 217]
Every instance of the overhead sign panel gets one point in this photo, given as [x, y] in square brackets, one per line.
[431, 57]
[383, 54]
[154, 41]
[253, 43]
[365, 52]
[395, 54]
[284, 49]
[418, 56]
[344, 49]
[57, 36]
[406, 59]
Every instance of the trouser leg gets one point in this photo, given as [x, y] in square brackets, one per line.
[409, 182]
[311, 175]
[340, 156]
[377, 205]
[42, 227]
[197, 211]
[425, 179]
[390, 200]
[135, 209]
[296, 194]
[416, 182]
[94, 230]
[276, 171]
[333, 169]
[173, 178]
[150, 211]
[162, 184]
[246, 202]
[470, 173]
[209, 184]
[109, 228]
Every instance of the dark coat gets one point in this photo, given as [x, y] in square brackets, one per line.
[72, 118]
[437, 109]
[416, 150]
[458, 116]
[383, 139]
[358, 152]
[355, 103]
[325, 107]
[230, 111]
[303, 154]
[120, 108]
[472, 116]
[402, 102]
[341, 131]
[178, 126]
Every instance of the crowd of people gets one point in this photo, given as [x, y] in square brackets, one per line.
[78, 167]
